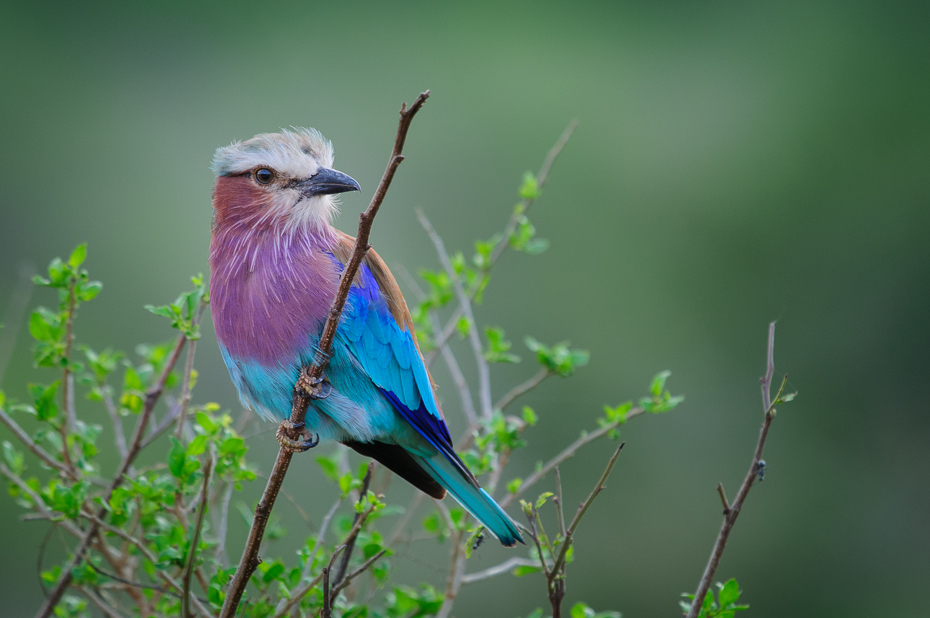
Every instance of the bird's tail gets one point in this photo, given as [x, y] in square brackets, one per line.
[473, 499]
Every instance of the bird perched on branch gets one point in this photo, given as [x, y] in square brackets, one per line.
[275, 264]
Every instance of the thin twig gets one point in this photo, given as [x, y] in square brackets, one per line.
[560, 512]
[249, 561]
[484, 372]
[348, 578]
[102, 605]
[46, 512]
[456, 570]
[350, 544]
[67, 379]
[468, 406]
[731, 513]
[119, 436]
[723, 498]
[327, 599]
[195, 540]
[223, 525]
[521, 389]
[408, 515]
[285, 605]
[174, 409]
[500, 569]
[37, 450]
[151, 398]
[188, 374]
[504, 241]
[568, 452]
[569, 534]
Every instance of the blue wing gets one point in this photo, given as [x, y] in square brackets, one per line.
[387, 352]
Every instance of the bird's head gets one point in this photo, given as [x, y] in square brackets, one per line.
[278, 178]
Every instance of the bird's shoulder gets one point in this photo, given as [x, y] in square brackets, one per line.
[382, 276]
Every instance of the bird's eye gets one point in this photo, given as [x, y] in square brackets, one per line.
[264, 176]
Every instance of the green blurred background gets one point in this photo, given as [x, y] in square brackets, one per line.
[734, 163]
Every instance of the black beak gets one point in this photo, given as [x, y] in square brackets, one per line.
[327, 181]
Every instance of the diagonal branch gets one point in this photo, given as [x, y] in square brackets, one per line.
[521, 389]
[195, 541]
[31, 444]
[350, 543]
[484, 372]
[732, 510]
[249, 561]
[500, 569]
[569, 534]
[568, 452]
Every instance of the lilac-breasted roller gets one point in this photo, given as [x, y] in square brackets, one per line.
[275, 263]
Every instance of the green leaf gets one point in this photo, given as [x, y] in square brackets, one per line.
[329, 465]
[522, 570]
[177, 458]
[88, 291]
[462, 326]
[514, 485]
[581, 610]
[78, 256]
[535, 246]
[529, 189]
[529, 416]
[658, 383]
[729, 593]
[543, 498]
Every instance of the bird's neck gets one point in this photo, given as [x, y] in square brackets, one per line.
[271, 287]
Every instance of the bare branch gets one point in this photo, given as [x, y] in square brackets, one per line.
[558, 501]
[188, 373]
[568, 452]
[730, 514]
[327, 599]
[723, 498]
[350, 543]
[500, 569]
[285, 605]
[223, 526]
[195, 538]
[521, 389]
[484, 372]
[249, 561]
[569, 534]
[468, 406]
[118, 435]
[101, 604]
[37, 450]
[43, 509]
[348, 578]
[67, 380]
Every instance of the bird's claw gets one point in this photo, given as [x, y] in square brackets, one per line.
[313, 388]
[287, 428]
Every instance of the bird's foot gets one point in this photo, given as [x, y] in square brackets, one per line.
[303, 442]
[312, 388]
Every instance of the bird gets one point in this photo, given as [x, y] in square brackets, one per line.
[275, 265]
